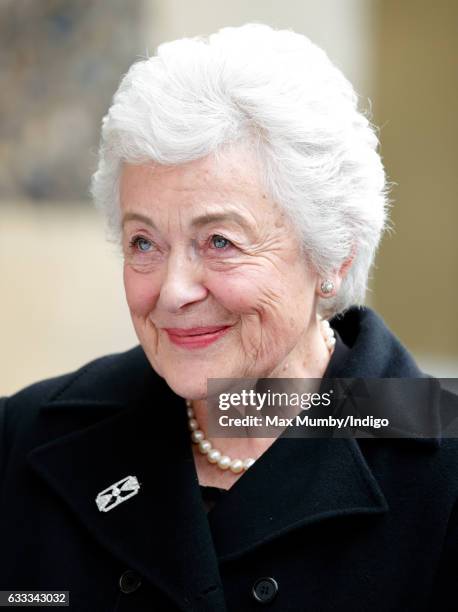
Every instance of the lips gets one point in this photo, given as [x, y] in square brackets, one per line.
[194, 331]
[196, 337]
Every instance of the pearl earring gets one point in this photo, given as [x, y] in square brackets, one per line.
[327, 286]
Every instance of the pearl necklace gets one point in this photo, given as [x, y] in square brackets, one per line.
[328, 334]
[215, 456]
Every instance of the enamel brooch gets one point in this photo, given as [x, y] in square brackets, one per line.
[117, 493]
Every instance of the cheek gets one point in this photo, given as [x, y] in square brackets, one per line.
[249, 292]
[278, 299]
[142, 292]
[239, 292]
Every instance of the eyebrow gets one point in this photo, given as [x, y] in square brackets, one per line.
[207, 218]
[132, 216]
[199, 221]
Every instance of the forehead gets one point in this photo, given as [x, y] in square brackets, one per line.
[232, 178]
[228, 187]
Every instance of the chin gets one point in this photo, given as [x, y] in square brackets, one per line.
[187, 386]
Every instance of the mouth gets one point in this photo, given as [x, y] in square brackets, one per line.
[194, 331]
[196, 337]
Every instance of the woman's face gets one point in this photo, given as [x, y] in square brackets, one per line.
[204, 246]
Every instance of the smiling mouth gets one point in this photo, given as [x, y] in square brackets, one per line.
[197, 337]
[194, 331]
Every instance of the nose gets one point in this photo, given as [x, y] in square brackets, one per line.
[182, 283]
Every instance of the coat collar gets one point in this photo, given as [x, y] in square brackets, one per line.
[375, 351]
[131, 423]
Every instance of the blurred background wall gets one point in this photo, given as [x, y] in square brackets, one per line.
[61, 295]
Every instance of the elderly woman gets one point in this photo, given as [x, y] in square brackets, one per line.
[245, 192]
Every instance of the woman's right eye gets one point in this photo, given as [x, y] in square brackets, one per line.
[140, 244]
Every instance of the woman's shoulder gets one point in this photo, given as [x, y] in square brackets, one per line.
[99, 375]
[54, 406]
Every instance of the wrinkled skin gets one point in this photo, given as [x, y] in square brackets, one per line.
[246, 271]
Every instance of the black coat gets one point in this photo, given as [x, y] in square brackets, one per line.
[339, 524]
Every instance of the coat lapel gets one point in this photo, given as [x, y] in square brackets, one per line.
[162, 531]
[326, 478]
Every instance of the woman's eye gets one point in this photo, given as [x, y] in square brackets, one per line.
[219, 242]
[140, 244]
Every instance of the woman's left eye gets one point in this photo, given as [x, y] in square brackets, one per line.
[219, 242]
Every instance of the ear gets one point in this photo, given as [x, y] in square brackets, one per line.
[347, 264]
[330, 286]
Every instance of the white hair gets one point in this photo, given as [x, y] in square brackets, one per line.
[278, 93]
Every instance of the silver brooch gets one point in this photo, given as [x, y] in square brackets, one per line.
[117, 493]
